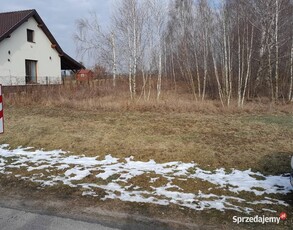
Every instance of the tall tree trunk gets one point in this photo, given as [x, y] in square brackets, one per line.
[130, 66]
[217, 79]
[290, 98]
[248, 72]
[173, 72]
[197, 73]
[271, 80]
[130, 82]
[159, 82]
[277, 51]
[205, 61]
[134, 55]
[114, 58]
[239, 64]
[229, 74]
[144, 81]
[226, 73]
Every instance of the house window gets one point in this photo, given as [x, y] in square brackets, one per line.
[30, 71]
[30, 35]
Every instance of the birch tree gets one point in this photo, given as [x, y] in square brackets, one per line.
[128, 22]
[204, 16]
[290, 97]
[156, 19]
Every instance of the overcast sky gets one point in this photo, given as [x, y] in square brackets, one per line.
[60, 16]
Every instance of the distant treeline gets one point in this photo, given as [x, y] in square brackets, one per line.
[229, 49]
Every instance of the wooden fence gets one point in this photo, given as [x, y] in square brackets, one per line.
[11, 89]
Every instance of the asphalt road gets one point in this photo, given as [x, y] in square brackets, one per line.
[12, 219]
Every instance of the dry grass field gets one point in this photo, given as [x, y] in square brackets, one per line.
[260, 142]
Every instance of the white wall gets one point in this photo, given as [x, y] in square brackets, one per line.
[13, 72]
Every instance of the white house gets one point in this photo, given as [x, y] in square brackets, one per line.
[29, 54]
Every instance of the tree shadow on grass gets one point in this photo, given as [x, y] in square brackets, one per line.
[276, 163]
[289, 199]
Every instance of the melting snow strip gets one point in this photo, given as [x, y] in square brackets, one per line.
[74, 169]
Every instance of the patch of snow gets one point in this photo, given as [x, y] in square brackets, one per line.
[154, 179]
[268, 210]
[77, 173]
[77, 168]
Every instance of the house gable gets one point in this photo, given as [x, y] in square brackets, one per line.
[16, 51]
[24, 36]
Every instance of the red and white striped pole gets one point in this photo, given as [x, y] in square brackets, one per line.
[1, 112]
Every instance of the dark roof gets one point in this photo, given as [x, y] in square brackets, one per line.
[10, 21]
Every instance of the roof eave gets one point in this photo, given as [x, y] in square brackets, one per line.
[68, 63]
